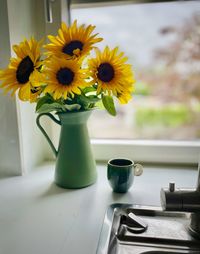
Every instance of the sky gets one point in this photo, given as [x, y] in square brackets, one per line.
[135, 27]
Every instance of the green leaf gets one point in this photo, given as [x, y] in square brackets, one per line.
[84, 105]
[72, 107]
[47, 99]
[109, 105]
[46, 108]
[89, 99]
[100, 105]
[89, 89]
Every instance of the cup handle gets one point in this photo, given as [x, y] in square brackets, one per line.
[138, 169]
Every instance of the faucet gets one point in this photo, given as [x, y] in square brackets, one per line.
[184, 200]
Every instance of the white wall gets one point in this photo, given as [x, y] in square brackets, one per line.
[10, 160]
[23, 23]
[22, 146]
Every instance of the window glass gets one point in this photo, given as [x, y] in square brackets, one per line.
[162, 42]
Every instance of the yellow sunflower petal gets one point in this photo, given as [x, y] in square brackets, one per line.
[24, 92]
[37, 78]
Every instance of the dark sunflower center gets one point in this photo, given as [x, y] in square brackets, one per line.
[70, 47]
[105, 72]
[24, 70]
[65, 76]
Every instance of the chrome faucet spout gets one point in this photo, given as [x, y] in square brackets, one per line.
[187, 200]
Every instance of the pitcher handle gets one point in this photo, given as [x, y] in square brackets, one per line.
[44, 132]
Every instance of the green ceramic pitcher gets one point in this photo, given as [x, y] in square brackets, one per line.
[75, 164]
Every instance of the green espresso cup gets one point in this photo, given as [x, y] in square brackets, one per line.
[121, 172]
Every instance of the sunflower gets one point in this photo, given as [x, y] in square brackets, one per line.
[73, 41]
[65, 78]
[22, 70]
[112, 74]
[35, 93]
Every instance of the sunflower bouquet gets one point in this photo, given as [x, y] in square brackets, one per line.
[65, 77]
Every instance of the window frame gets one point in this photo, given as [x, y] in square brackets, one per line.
[96, 3]
[148, 151]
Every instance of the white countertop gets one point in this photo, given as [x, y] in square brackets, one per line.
[37, 217]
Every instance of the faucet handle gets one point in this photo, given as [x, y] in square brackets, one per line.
[172, 186]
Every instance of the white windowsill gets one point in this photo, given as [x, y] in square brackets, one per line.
[36, 216]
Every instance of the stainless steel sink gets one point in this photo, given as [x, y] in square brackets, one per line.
[151, 231]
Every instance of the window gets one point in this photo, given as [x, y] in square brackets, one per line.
[161, 41]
